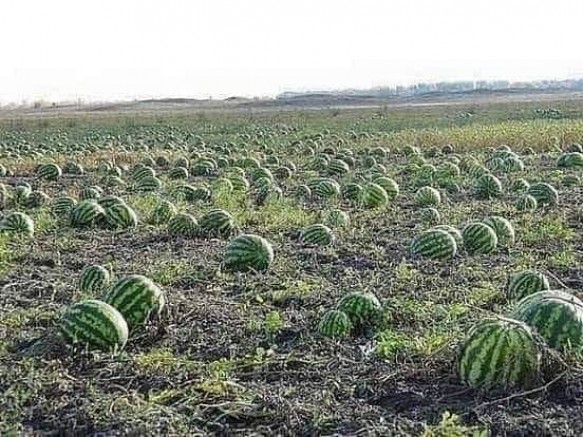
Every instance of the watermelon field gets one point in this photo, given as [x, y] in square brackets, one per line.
[409, 271]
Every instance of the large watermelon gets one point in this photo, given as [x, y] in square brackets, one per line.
[137, 298]
[499, 355]
[557, 316]
[526, 282]
[94, 324]
[479, 238]
[248, 252]
[434, 244]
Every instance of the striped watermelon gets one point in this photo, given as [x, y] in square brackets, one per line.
[373, 196]
[217, 222]
[108, 201]
[162, 213]
[89, 193]
[327, 188]
[525, 283]
[178, 173]
[49, 172]
[302, 191]
[183, 224]
[430, 215]
[248, 252]
[454, 232]
[526, 202]
[545, 194]
[427, 196]
[488, 187]
[434, 244]
[93, 278]
[120, 215]
[142, 172]
[352, 191]
[479, 238]
[520, 186]
[390, 186]
[94, 324]
[335, 323]
[337, 218]
[87, 213]
[21, 194]
[338, 167]
[362, 308]
[239, 182]
[503, 229]
[148, 184]
[556, 315]
[17, 223]
[499, 355]
[137, 298]
[318, 234]
[37, 199]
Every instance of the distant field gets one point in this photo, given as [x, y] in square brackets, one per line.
[246, 352]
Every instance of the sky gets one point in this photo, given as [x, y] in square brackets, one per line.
[99, 50]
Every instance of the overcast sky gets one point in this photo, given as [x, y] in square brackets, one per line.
[125, 49]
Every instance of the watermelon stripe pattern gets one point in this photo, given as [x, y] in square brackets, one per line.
[248, 252]
[121, 216]
[363, 309]
[525, 283]
[479, 238]
[93, 279]
[94, 324]
[503, 229]
[499, 355]
[373, 196]
[434, 244]
[488, 187]
[86, 213]
[318, 235]
[17, 223]
[49, 172]
[427, 196]
[335, 324]
[137, 298]
[545, 194]
[217, 222]
[556, 315]
[183, 224]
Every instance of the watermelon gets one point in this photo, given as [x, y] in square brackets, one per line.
[86, 213]
[503, 229]
[479, 238]
[488, 186]
[327, 188]
[337, 218]
[17, 223]
[318, 234]
[162, 213]
[525, 283]
[49, 172]
[500, 355]
[430, 215]
[94, 324]
[427, 196]
[389, 185]
[335, 323]
[217, 222]
[137, 298]
[526, 202]
[183, 224]
[178, 173]
[248, 252]
[545, 194]
[556, 315]
[121, 216]
[373, 196]
[362, 308]
[93, 278]
[434, 244]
